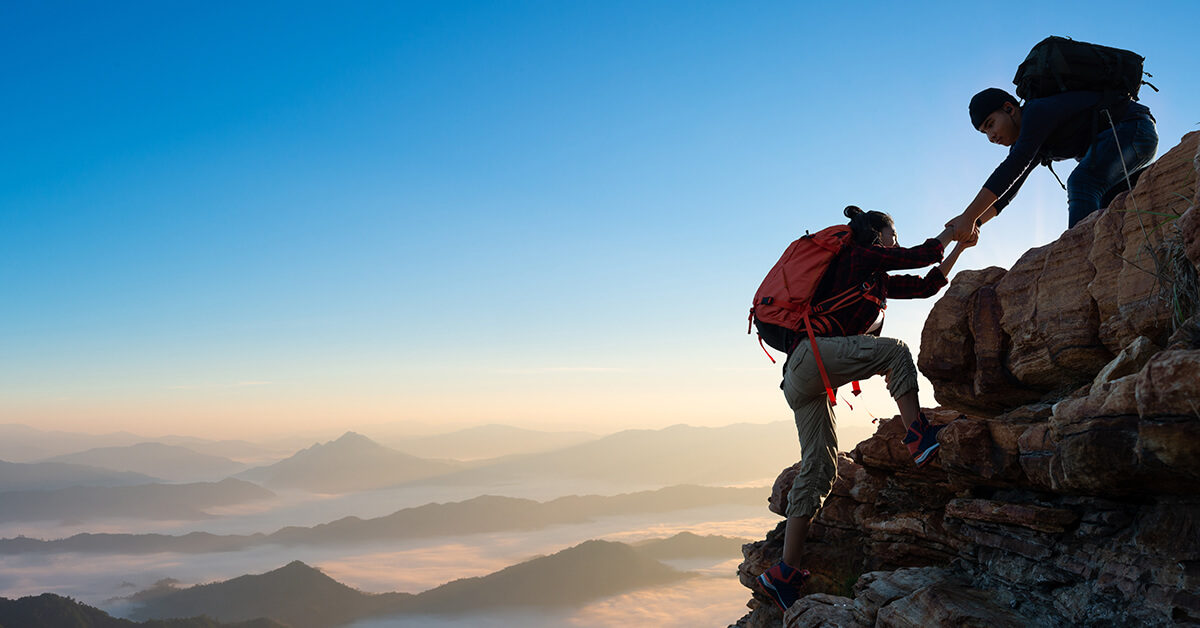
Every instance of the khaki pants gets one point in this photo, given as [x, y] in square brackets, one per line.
[846, 359]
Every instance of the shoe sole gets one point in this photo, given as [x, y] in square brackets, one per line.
[924, 457]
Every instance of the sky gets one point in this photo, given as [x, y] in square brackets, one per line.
[237, 220]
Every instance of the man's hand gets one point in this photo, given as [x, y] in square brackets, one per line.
[969, 241]
[963, 228]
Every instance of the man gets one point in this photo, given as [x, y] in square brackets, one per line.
[1070, 125]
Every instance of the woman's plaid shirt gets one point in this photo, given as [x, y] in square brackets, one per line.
[858, 264]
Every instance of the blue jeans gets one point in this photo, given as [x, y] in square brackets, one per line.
[1135, 142]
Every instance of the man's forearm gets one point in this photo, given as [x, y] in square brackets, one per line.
[967, 222]
[981, 205]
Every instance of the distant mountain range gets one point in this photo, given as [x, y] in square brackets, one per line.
[349, 464]
[144, 501]
[487, 441]
[690, 545]
[479, 515]
[44, 476]
[734, 454]
[21, 443]
[169, 462]
[569, 578]
[54, 611]
[297, 595]
[303, 597]
[238, 450]
[680, 454]
[496, 514]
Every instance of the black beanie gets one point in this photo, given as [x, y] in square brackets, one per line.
[987, 101]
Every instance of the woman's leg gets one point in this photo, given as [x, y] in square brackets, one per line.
[816, 429]
[846, 359]
[853, 358]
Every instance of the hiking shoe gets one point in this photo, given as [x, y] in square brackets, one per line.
[782, 584]
[922, 440]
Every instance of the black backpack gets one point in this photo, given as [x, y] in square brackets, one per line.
[1060, 64]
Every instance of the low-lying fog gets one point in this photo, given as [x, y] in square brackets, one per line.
[406, 566]
[696, 603]
[302, 508]
[411, 565]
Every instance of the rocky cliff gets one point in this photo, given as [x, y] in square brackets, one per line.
[1067, 490]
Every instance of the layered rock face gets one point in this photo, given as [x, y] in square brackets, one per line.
[1067, 489]
[998, 339]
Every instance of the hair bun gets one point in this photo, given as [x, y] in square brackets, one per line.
[852, 211]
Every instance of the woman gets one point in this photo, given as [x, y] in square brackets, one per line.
[852, 350]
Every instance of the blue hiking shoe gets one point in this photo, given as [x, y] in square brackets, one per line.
[782, 584]
[922, 440]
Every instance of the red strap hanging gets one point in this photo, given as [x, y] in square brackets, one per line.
[812, 337]
[749, 327]
[764, 347]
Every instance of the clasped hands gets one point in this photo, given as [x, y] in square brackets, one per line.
[966, 231]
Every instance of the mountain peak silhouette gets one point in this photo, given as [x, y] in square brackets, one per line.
[353, 462]
[297, 594]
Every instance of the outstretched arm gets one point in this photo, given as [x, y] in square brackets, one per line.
[962, 245]
[945, 237]
[914, 287]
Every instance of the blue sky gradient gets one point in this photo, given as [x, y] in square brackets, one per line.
[231, 219]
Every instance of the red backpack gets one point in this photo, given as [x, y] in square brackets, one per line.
[783, 309]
